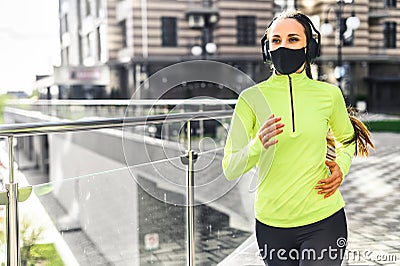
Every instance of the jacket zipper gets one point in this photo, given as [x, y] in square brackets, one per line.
[291, 102]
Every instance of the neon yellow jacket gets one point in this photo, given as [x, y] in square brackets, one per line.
[289, 171]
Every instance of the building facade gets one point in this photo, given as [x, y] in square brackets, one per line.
[158, 33]
[371, 58]
[83, 73]
[110, 47]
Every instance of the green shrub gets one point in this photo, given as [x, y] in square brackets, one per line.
[384, 126]
[43, 254]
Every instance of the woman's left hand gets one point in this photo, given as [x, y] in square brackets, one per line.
[331, 184]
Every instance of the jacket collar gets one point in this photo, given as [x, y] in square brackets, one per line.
[284, 79]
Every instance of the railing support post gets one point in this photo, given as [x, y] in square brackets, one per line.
[189, 159]
[12, 228]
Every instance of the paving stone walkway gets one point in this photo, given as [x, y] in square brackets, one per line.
[373, 204]
[371, 191]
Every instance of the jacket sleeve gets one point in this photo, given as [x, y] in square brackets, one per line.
[243, 147]
[342, 130]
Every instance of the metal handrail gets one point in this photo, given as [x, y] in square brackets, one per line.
[125, 102]
[30, 129]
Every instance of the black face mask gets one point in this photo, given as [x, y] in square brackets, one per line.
[287, 61]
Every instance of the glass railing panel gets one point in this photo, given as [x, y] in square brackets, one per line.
[222, 210]
[110, 202]
[224, 214]
[135, 215]
[125, 216]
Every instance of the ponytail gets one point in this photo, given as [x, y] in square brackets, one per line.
[308, 70]
[362, 137]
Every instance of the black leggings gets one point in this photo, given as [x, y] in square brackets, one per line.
[320, 243]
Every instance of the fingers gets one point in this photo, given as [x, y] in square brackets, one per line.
[329, 188]
[330, 179]
[270, 143]
[270, 120]
[270, 129]
[329, 185]
[329, 192]
[266, 135]
[334, 183]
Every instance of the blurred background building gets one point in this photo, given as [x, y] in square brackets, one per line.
[370, 55]
[109, 47]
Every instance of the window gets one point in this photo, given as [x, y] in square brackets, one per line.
[101, 12]
[64, 24]
[91, 45]
[246, 30]
[99, 44]
[390, 3]
[389, 32]
[85, 45]
[88, 7]
[88, 45]
[65, 56]
[169, 32]
[122, 26]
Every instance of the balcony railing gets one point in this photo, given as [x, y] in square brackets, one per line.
[176, 207]
[78, 109]
[81, 109]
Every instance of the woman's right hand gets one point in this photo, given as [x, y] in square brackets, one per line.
[270, 129]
